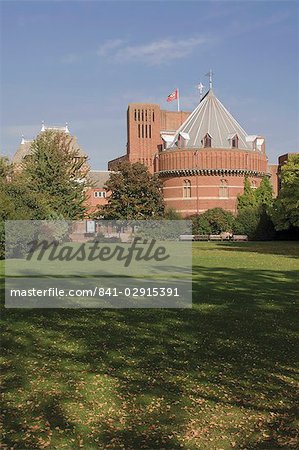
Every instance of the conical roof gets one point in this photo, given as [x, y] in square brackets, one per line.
[212, 118]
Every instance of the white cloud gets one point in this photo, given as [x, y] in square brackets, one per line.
[152, 53]
[107, 47]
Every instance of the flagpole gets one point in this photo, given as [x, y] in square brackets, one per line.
[178, 100]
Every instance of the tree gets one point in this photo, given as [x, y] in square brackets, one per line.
[264, 193]
[247, 199]
[18, 202]
[213, 221]
[5, 168]
[135, 194]
[55, 169]
[254, 222]
[286, 207]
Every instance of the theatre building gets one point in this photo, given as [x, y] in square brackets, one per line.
[202, 157]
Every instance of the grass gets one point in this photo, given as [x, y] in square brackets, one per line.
[219, 376]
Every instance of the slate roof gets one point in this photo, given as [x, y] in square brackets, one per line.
[24, 147]
[98, 178]
[211, 117]
[22, 151]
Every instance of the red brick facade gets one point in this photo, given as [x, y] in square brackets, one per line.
[193, 180]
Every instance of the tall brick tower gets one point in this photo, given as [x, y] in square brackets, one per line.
[147, 128]
[144, 125]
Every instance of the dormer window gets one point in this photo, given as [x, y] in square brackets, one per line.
[183, 139]
[235, 142]
[207, 141]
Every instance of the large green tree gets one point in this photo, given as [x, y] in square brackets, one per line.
[264, 193]
[286, 206]
[248, 198]
[56, 169]
[135, 194]
[19, 202]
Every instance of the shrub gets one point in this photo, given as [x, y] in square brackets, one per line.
[255, 222]
[213, 221]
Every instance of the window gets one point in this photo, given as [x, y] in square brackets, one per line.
[150, 131]
[207, 141]
[187, 189]
[99, 194]
[223, 189]
[139, 130]
[135, 115]
[253, 184]
[235, 142]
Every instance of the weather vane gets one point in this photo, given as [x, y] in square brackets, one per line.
[210, 75]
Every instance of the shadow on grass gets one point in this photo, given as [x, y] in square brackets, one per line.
[281, 248]
[233, 353]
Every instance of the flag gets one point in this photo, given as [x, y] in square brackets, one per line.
[172, 96]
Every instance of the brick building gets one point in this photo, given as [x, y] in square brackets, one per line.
[202, 157]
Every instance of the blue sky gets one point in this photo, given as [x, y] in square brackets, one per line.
[82, 62]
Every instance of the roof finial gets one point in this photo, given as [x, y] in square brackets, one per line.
[210, 75]
[200, 87]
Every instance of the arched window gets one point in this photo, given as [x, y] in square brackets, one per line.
[235, 141]
[253, 184]
[187, 189]
[207, 141]
[223, 189]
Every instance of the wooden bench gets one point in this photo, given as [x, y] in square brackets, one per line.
[186, 237]
[201, 237]
[240, 237]
[215, 237]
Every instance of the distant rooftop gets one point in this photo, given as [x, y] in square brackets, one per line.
[211, 120]
[24, 148]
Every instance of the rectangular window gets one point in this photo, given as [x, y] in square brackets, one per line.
[142, 131]
[139, 130]
[99, 194]
[150, 131]
[146, 131]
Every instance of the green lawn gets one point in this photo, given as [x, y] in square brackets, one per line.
[219, 376]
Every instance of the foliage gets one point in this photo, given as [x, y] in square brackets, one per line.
[56, 169]
[135, 194]
[264, 193]
[286, 207]
[18, 202]
[255, 222]
[248, 198]
[172, 214]
[200, 225]
[5, 168]
[213, 221]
